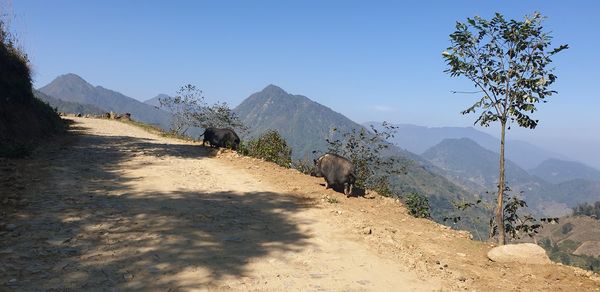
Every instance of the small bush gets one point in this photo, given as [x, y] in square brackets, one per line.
[418, 205]
[331, 200]
[270, 146]
[566, 228]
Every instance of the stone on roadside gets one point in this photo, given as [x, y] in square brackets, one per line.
[525, 253]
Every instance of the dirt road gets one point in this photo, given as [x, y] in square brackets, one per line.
[114, 207]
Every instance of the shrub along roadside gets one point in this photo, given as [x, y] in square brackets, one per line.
[270, 146]
[417, 205]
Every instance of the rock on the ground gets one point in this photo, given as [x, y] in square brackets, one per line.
[525, 253]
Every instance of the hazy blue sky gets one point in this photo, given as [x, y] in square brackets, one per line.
[369, 60]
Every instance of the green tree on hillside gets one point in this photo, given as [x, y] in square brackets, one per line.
[507, 61]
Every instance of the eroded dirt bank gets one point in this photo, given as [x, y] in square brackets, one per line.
[113, 207]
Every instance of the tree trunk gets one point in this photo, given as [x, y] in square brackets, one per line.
[501, 188]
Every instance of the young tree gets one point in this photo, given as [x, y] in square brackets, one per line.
[184, 108]
[507, 61]
[219, 115]
[189, 109]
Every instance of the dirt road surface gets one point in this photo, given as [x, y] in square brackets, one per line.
[112, 207]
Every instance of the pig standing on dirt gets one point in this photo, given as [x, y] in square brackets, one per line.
[336, 170]
[221, 138]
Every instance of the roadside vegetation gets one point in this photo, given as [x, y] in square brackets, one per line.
[25, 121]
[270, 146]
[190, 110]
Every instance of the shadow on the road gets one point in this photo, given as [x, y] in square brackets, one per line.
[356, 191]
[86, 229]
[125, 146]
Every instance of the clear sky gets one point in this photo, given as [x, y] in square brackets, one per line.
[369, 60]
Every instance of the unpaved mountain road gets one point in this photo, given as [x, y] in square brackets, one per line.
[113, 207]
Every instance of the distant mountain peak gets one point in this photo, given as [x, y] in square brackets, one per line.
[305, 124]
[558, 171]
[72, 88]
[274, 90]
[162, 95]
[155, 101]
[463, 142]
[71, 78]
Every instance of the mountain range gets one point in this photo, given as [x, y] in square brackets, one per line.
[72, 88]
[475, 167]
[419, 139]
[558, 171]
[454, 163]
[68, 106]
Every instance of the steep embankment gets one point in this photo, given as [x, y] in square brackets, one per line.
[24, 120]
[117, 207]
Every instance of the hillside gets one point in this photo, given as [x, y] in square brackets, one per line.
[574, 192]
[418, 139]
[25, 121]
[574, 241]
[465, 163]
[474, 167]
[559, 171]
[67, 106]
[303, 123]
[145, 212]
[469, 165]
[72, 88]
